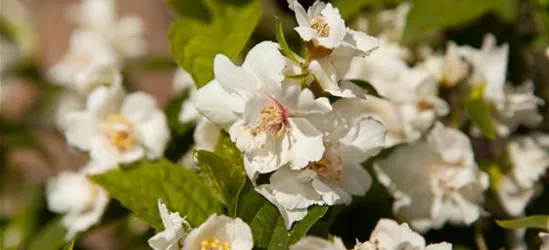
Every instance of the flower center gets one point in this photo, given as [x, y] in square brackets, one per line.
[322, 28]
[120, 132]
[272, 119]
[213, 243]
[328, 167]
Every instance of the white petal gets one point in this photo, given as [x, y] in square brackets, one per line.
[355, 179]
[105, 100]
[389, 234]
[266, 61]
[217, 105]
[154, 134]
[300, 13]
[234, 79]
[439, 246]
[308, 145]
[317, 243]
[363, 140]
[239, 234]
[138, 107]
[80, 126]
[167, 239]
[290, 216]
[80, 222]
[306, 33]
[289, 191]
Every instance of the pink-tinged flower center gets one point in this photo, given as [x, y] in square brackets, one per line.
[328, 167]
[272, 119]
[322, 28]
[119, 131]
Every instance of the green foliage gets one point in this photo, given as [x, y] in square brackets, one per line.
[429, 15]
[139, 188]
[366, 86]
[349, 8]
[479, 112]
[181, 133]
[51, 237]
[267, 224]
[195, 42]
[281, 39]
[225, 178]
[70, 246]
[535, 221]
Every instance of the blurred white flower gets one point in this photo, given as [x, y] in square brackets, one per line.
[331, 44]
[434, 180]
[87, 52]
[350, 139]
[265, 119]
[393, 21]
[82, 202]
[389, 235]
[544, 241]
[205, 137]
[117, 129]
[450, 69]
[317, 243]
[527, 159]
[124, 34]
[175, 230]
[67, 101]
[183, 81]
[412, 104]
[220, 232]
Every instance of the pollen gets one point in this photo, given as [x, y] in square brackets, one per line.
[272, 119]
[327, 167]
[322, 28]
[213, 243]
[119, 131]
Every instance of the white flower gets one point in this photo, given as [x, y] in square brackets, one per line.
[124, 34]
[350, 139]
[389, 235]
[82, 202]
[393, 21]
[266, 120]
[331, 43]
[317, 243]
[87, 51]
[175, 230]
[528, 160]
[115, 129]
[434, 180]
[412, 104]
[220, 232]
[205, 137]
[67, 101]
[450, 69]
[183, 81]
[544, 241]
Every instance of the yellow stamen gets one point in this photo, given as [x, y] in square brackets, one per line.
[119, 132]
[271, 119]
[327, 168]
[322, 28]
[213, 243]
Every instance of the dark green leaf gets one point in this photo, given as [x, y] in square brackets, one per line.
[479, 112]
[195, 42]
[267, 224]
[51, 237]
[225, 178]
[140, 186]
[181, 133]
[535, 221]
[429, 15]
[281, 39]
[349, 8]
[366, 86]
[190, 8]
[508, 10]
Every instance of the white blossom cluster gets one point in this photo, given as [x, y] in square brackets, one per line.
[99, 117]
[305, 125]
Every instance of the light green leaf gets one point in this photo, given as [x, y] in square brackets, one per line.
[190, 8]
[366, 86]
[429, 15]
[267, 224]
[535, 221]
[195, 42]
[140, 186]
[225, 178]
[349, 8]
[479, 112]
[51, 237]
[226, 148]
[281, 39]
[70, 246]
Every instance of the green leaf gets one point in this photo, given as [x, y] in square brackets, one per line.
[140, 186]
[428, 15]
[535, 221]
[195, 42]
[479, 112]
[70, 246]
[224, 177]
[190, 8]
[226, 148]
[51, 237]
[281, 39]
[366, 86]
[508, 10]
[349, 8]
[267, 224]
